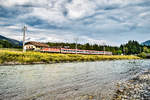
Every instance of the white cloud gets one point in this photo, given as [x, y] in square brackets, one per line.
[9, 3]
[51, 15]
[91, 20]
[80, 8]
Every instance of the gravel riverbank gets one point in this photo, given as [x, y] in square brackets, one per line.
[137, 88]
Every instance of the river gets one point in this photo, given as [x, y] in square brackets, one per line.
[67, 81]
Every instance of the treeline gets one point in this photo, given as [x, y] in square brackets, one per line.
[86, 46]
[7, 44]
[132, 47]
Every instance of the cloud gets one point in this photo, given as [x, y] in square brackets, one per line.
[94, 21]
[9, 3]
[80, 8]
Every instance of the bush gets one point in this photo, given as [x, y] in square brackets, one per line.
[143, 55]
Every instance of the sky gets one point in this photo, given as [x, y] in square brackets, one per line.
[110, 22]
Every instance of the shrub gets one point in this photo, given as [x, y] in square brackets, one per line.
[143, 55]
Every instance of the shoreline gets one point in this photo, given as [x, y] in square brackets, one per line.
[137, 88]
[37, 63]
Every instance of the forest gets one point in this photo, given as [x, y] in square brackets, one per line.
[7, 44]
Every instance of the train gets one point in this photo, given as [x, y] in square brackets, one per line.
[75, 51]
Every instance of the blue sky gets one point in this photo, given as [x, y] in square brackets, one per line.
[111, 22]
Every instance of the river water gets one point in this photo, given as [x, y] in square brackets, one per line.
[67, 81]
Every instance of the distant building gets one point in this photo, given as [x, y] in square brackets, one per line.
[36, 46]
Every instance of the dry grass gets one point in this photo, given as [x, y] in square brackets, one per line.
[16, 56]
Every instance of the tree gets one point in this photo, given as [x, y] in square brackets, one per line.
[95, 47]
[87, 46]
[143, 55]
[145, 49]
[126, 50]
[6, 44]
[132, 47]
[1, 46]
[118, 52]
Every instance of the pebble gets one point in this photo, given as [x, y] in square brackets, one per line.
[137, 88]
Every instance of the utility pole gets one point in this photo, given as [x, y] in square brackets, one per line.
[140, 49]
[123, 50]
[24, 35]
[104, 48]
[76, 42]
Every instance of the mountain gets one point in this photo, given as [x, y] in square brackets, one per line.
[146, 43]
[12, 41]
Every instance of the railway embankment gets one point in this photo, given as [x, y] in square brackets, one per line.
[10, 57]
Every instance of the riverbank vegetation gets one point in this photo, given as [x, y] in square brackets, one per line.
[7, 44]
[131, 47]
[18, 57]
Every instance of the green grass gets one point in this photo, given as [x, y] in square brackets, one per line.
[16, 56]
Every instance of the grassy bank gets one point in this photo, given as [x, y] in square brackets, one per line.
[17, 57]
